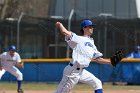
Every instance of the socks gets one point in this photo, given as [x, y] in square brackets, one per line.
[19, 84]
[99, 91]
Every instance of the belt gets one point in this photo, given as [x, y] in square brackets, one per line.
[72, 65]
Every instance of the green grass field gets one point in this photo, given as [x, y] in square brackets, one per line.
[49, 86]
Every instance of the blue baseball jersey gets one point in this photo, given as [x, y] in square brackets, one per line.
[134, 55]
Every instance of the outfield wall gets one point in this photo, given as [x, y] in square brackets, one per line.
[51, 70]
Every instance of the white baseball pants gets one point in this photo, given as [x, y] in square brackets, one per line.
[71, 76]
[13, 70]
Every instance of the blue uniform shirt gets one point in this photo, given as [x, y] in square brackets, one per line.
[134, 55]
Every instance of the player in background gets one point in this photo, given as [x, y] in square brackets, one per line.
[84, 50]
[10, 60]
[135, 53]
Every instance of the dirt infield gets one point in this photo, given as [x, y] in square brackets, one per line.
[45, 91]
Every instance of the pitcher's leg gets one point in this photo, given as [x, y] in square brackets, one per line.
[90, 79]
[2, 73]
[69, 80]
[66, 85]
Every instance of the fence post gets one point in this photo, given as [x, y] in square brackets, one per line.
[69, 28]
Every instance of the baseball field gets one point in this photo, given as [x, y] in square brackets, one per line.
[28, 87]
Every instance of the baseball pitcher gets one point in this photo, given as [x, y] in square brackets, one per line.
[84, 50]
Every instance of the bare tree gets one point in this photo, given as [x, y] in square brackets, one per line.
[13, 8]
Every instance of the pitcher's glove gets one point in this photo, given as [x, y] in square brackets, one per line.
[116, 58]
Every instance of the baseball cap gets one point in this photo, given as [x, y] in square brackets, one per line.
[87, 23]
[12, 48]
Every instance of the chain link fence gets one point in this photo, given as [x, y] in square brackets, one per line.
[39, 38]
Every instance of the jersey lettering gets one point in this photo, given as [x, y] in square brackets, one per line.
[88, 44]
[11, 60]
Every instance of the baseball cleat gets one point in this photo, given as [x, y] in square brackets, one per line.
[20, 91]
